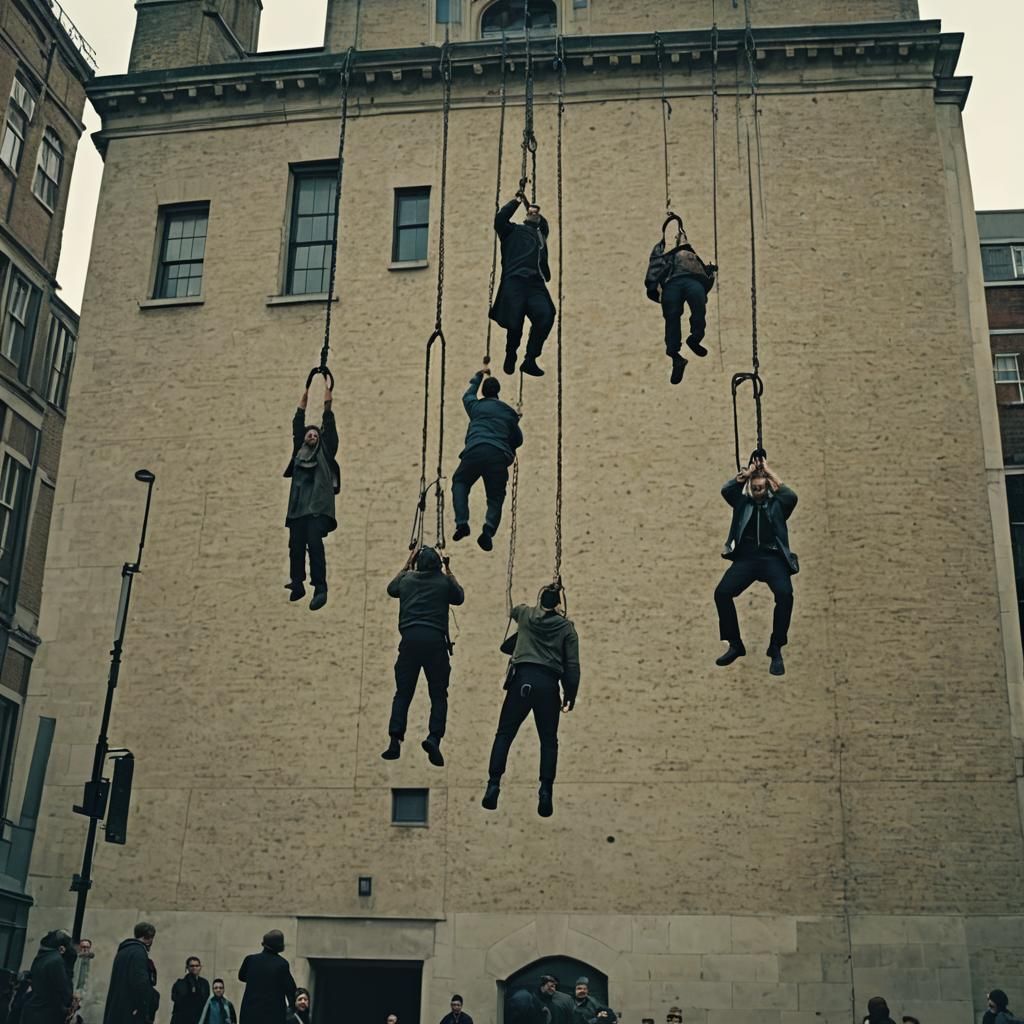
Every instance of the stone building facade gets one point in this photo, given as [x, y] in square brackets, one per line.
[747, 848]
[44, 67]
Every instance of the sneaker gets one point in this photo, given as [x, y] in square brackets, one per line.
[432, 745]
[509, 366]
[298, 591]
[394, 751]
[545, 806]
[490, 800]
[735, 651]
[695, 346]
[485, 541]
[461, 530]
[319, 599]
[529, 365]
[778, 666]
[678, 368]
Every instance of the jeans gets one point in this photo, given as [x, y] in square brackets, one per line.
[545, 701]
[422, 647]
[307, 534]
[673, 294]
[764, 567]
[481, 461]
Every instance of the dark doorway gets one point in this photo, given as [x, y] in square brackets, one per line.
[366, 990]
[566, 970]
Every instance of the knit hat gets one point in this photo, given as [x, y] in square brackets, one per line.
[274, 941]
[583, 981]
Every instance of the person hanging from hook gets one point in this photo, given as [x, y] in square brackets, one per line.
[491, 442]
[546, 652]
[522, 291]
[425, 588]
[758, 547]
[675, 278]
[315, 480]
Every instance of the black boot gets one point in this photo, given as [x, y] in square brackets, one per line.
[298, 591]
[509, 366]
[778, 666]
[319, 598]
[485, 539]
[678, 368]
[490, 800]
[529, 365]
[545, 808]
[394, 751]
[736, 650]
[695, 346]
[461, 530]
[432, 745]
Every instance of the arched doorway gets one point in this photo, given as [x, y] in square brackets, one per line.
[505, 17]
[566, 970]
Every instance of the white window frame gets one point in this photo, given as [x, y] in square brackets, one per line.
[21, 107]
[1017, 258]
[49, 170]
[9, 480]
[60, 344]
[1014, 377]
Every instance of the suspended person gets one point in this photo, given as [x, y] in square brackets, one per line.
[491, 442]
[424, 595]
[522, 292]
[546, 652]
[758, 547]
[675, 278]
[316, 479]
[269, 985]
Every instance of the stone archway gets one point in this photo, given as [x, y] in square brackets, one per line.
[566, 969]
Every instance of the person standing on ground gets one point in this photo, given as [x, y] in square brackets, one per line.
[269, 985]
[132, 997]
[189, 995]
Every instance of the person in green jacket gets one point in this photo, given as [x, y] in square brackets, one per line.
[547, 652]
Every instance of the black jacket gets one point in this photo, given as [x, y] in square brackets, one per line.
[525, 1007]
[189, 997]
[51, 993]
[778, 507]
[131, 997]
[314, 497]
[585, 1011]
[678, 261]
[491, 422]
[524, 253]
[269, 988]
[424, 598]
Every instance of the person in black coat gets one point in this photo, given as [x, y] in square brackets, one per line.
[301, 1012]
[522, 292]
[132, 997]
[525, 1007]
[491, 442]
[316, 479]
[269, 985]
[424, 595]
[758, 547]
[52, 992]
[189, 994]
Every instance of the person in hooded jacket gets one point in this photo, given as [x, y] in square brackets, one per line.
[546, 652]
[998, 1011]
[672, 280]
[878, 1012]
[491, 442]
[269, 986]
[52, 992]
[132, 997]
[316, 479]
[189, 994]
[522, 291]
[424, 596]
[301, 1012]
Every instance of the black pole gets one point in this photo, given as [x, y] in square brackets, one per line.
[97, 788]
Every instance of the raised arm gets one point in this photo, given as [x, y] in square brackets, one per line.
[503, 218]
[732, 489]
[299, 422]
[329, 432]
[469, 398]
[456, 595]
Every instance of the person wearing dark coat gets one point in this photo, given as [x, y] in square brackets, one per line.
[525, 1007]
[132, 997]
[878, 1012]
[559, 1005]
[52, 992]
[424, 596]
[491, 442]
[316, 479]
[998, 1011]
[758, 547]
[269, 986]
[189, 995]
[673, 279]
[457, 1015]
[522, 291]
[301, 1012]
[585, 1007]
[21, 996]
[546, 653]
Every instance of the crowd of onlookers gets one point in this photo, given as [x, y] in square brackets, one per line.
[60, 988]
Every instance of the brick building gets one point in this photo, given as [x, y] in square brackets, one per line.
[44, 67]
[748, 849]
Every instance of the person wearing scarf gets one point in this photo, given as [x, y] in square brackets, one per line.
[316, 479]
[218, 1009]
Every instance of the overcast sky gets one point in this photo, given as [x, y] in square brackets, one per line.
[995, 142]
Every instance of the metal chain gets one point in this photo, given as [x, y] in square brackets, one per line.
[750, 46]
[497, 191]
[561, 317]
[529, 138]
[666, 112]
[714, 129]
[513, 517]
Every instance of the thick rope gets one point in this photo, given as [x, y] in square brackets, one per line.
[666, 114]
[714, 129]
[513, 519]
[561, 317]
[750, 46]
[497, 192]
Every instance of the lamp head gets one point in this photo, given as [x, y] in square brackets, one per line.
[144, 476]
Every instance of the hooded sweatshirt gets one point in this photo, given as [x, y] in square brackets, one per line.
[549, 639]
[424, 597]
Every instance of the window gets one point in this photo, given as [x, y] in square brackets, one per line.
[1003, 262]
[1007, 371]
[61, 346]
[1017, 256]
[12, 490]
[412, 220]
[182, 250]
[8, 735]
[19, 322]
[311, 235]
[506, 17]
[449, 12]
[49, 168]
[409, 806]
[20, 108]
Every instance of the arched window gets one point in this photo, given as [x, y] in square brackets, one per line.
[565, 969]
[506, 17]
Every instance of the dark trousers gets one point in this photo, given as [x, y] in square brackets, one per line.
[767, 567]
[422, 647]
[673, 294]
[481, 461]
[307, 534]
[544, 700]
[527, 297]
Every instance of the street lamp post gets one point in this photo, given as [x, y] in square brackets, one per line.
[97, 789]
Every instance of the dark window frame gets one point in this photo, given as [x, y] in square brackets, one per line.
[10, 717]
[23, 110]
[165, 277]
[61, 344]
[397, 795]
[46, 187]
[12, 536]
[508, 10]
[303, 241]
[412, 192]
[18, 327]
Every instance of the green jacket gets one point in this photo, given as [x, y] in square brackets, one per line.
[549, 639]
